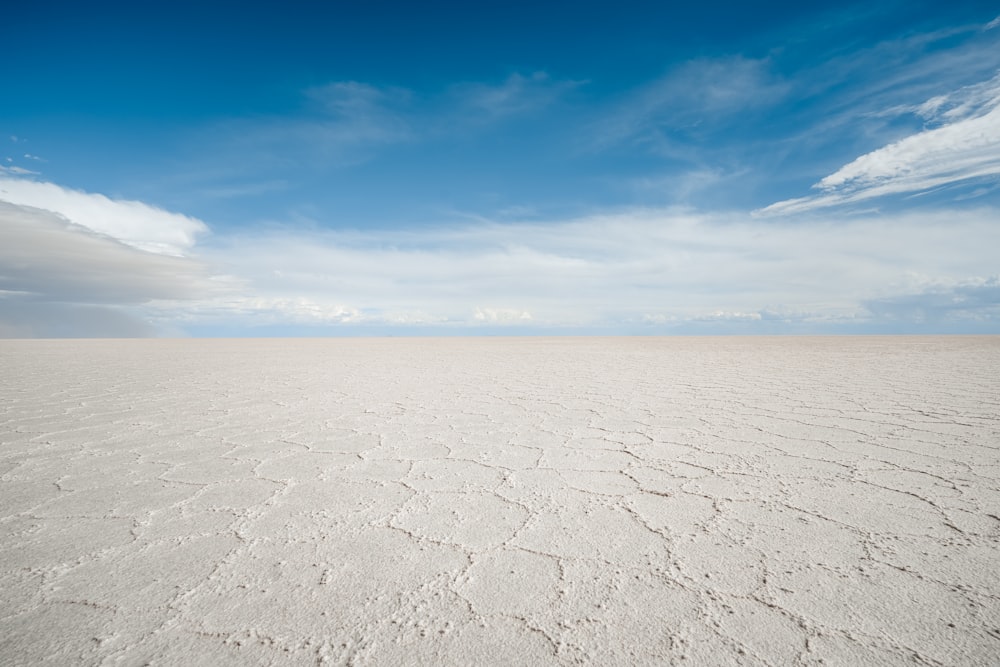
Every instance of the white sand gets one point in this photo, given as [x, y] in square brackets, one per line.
[721, 501]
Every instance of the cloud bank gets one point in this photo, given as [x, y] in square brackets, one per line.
[635, 269]
[60, 278]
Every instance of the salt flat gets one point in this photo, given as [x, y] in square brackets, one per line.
[611, 501]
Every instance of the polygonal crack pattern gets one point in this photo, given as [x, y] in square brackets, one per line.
[744, 501]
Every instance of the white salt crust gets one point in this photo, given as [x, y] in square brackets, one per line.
[500, 501]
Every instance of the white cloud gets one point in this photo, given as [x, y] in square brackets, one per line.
[667, 268]
[964, 145]
[655, 266]
[16, 171]
[501, 315]
[254, 310]
[721, 315]
[972, 299]
[131, 222]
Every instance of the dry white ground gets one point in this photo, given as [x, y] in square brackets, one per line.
[725, 501]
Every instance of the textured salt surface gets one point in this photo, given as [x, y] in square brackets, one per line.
[721, 501]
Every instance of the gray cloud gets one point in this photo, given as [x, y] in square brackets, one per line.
[48, 257]
[61, 279]
[27, 318]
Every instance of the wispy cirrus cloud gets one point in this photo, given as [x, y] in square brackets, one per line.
[342, 124]
[356, 112]
[961, 143]
[387, 113]
[15, 170]
[517, 95]
[761, 122]
[694, 98]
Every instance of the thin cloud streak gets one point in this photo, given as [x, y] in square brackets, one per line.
[693, 98]
[965, 146]
[345, 123]
[517, 95]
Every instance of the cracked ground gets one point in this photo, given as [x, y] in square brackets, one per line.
[623, 501]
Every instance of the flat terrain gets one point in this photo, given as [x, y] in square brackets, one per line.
[615, 501]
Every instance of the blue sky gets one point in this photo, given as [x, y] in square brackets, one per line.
[482, 168]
